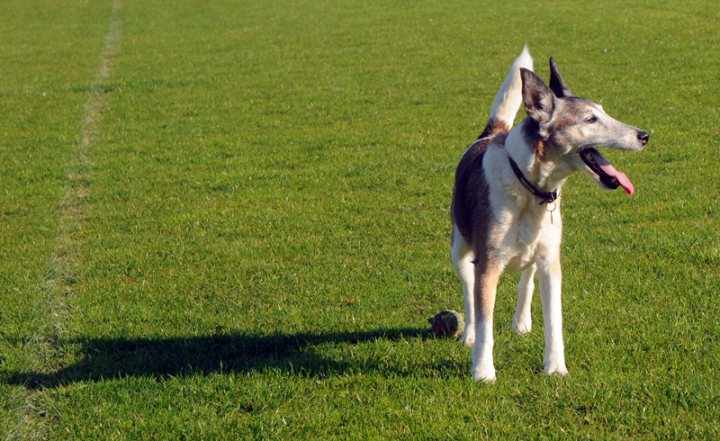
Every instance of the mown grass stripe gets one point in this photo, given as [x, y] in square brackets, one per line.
[50, 353]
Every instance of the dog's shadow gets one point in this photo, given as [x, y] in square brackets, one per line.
[108, 358]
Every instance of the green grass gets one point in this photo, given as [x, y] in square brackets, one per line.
[266, 225]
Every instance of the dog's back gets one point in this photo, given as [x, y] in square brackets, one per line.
[470, 198]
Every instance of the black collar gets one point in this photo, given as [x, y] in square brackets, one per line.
[544, 196]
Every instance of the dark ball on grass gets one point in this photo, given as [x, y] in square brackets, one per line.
[447, 324]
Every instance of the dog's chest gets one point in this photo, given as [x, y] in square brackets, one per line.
[524, 237]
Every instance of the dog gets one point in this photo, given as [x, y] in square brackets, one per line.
[506, 202]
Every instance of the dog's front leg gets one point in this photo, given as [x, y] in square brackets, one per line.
[550, 276]
[522, 322]
[487, 274]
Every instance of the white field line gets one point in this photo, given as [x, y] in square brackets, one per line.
[63, 269]
[62, 274]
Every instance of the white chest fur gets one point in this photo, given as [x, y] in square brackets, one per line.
[521, 231]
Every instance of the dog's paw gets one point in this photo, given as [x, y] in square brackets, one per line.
[485, 374]
[468, 337]
[554, 368]
[522, 326]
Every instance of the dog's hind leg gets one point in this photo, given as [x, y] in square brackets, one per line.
[462, 259]
[487, 275]
[522, 321]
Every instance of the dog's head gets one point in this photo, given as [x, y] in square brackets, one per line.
[567, 129]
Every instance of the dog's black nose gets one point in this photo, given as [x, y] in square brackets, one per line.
[643, 137]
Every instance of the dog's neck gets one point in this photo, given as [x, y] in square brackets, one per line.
[529, 151]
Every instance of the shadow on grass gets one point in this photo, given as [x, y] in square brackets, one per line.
[108, 358]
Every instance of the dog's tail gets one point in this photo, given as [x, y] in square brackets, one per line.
[508, 99]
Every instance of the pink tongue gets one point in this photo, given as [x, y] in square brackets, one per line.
[618, 175]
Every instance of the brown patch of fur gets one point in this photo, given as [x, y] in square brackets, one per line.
[487, 276]
[494, 127]
[540, 149]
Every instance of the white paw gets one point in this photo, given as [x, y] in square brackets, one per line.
[468, 337]
[522, 326]
[486, 374]
[555, 368]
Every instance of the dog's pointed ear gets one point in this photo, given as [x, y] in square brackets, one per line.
[557, 85]
[538, 98]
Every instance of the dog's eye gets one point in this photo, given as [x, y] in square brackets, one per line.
[591, 119]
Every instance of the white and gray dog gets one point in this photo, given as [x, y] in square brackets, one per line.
[506, 202]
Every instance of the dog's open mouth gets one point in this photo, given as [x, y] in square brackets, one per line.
[608, 175]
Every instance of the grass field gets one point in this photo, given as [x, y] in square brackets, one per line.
[229, 220]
